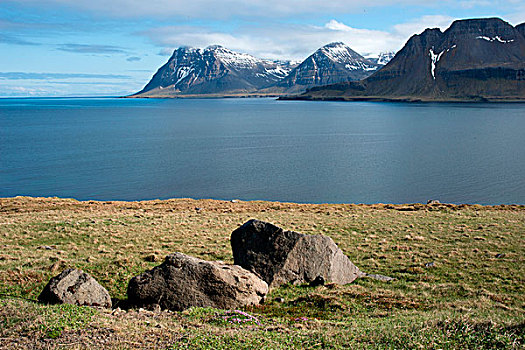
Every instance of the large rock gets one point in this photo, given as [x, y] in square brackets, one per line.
[75, 287]
[280, 257]
[182, 281]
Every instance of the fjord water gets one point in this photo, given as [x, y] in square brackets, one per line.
[314, 152]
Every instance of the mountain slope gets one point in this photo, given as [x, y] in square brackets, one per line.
[332, 63]
[214, 70]
[521, 28]
[475, 59]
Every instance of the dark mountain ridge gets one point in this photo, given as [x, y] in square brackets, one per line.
[474, 59]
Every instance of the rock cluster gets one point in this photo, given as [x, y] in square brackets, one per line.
[265, 256]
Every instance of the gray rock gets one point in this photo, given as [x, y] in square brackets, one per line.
[75, 287]
[182, 281]
[379, 277]
[280, 257]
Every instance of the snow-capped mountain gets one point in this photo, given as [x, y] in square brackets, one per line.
[213, 70]
[332, 63]
[383, 58]
[474, 59]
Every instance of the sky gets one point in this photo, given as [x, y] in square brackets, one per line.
[53, 48]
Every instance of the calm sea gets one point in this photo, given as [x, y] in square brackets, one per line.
[359, 152]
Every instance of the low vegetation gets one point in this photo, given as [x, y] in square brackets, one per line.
[459, 275]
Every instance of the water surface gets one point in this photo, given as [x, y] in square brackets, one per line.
[358, 152]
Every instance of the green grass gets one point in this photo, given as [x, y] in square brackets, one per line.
[459, 275]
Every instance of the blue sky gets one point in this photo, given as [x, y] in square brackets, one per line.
[113, 47]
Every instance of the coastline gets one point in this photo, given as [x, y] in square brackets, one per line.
[408, 99]
[395, 99]
[254, 204]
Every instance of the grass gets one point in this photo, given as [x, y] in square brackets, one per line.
[459, 275]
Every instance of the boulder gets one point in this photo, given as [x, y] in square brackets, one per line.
[281, 257]
[75, 287]
[182, 281]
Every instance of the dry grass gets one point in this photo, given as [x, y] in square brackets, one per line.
[459, 274]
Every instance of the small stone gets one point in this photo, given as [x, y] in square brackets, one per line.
[279, 300]
[379, 277]
[75, 287]
[430, 264]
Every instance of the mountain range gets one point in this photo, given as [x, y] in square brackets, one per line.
[332, 63]
[218, 71]
[473, 60]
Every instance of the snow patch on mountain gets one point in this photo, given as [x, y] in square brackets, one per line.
[183, 72]
[434, 59]
[278, 71]
[338, 52]
[360, 65]
[235, 59]
[496, 38]
[382, 58]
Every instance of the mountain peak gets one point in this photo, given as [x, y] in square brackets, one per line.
[334, 44]
[477, 22]
[332, 63]
[485, 27]
[338, 52]
[184, 49]
[214, 47]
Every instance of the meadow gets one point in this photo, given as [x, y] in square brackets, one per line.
[459, 275]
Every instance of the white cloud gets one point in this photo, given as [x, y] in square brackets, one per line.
[293, 41]
[278, 41]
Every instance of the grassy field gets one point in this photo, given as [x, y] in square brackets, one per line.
[459, 275]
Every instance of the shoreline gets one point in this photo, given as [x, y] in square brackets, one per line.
[263, 203]
[407, 99]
